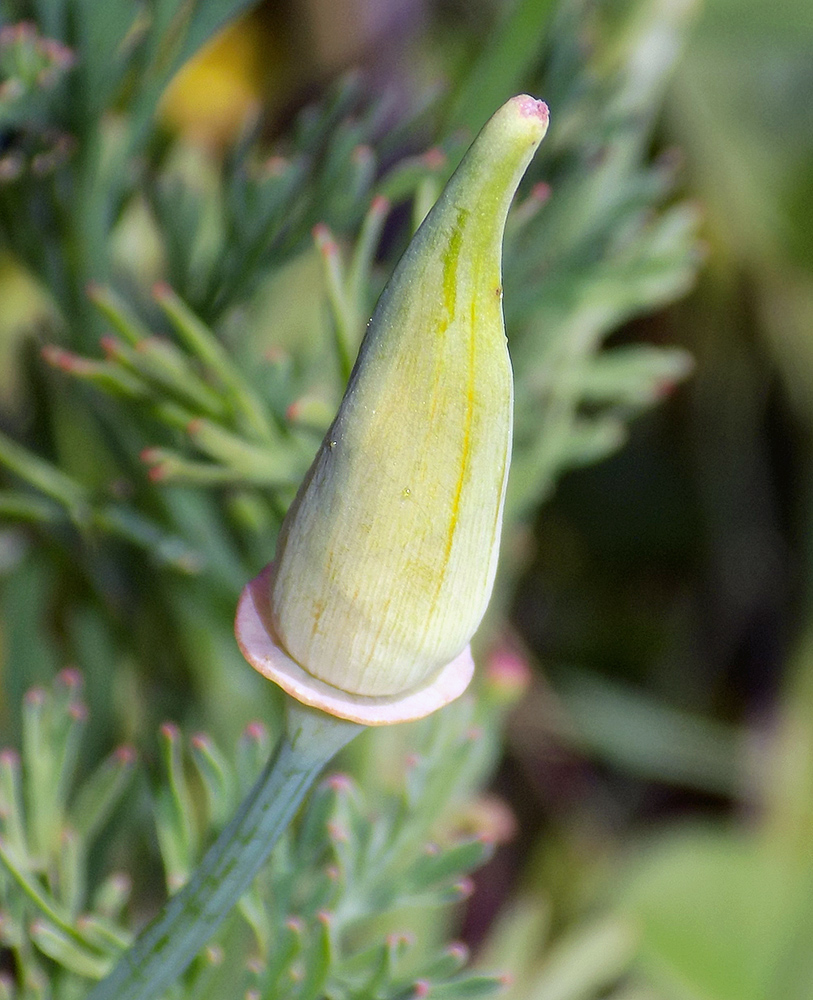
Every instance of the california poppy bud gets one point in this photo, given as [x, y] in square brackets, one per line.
[387, 556]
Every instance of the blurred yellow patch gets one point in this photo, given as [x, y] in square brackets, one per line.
[25, 306]
[211, 97]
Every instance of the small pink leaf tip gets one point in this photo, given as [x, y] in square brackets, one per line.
[340, 782]
[532, 108]
[70, 677]
[125, 754]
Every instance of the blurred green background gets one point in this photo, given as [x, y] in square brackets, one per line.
[660, 766]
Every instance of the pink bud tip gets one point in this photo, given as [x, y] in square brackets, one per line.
[55, 356]
[380, 205]
[399, 938]
[664, 388]
[337, 832]
[78, 711]
[530, 107]
[125, 754]
[108, 344]
[35, 697]
[71, 677]
[340, 782]
[324, 239]
[121, 882]
[157, 473]
[161, 290]
[170, 731]
[194, 426]
[422, 988]
[256, 730]
[9, 757]
[295, 925]
[541, 191]
[324, 917]
[200, 741]
[458, 950]
[508, 671]
[434, 158]
[215, 954]
[465, 887]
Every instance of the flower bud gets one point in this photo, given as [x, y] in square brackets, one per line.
[386, 558]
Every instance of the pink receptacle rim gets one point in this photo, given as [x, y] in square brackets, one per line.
[257, 643]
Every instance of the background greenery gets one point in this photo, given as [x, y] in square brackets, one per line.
[651, 799]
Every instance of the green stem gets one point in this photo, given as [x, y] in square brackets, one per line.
[48, 907]
[190, 918]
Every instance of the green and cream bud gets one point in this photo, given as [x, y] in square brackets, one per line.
[386, 559]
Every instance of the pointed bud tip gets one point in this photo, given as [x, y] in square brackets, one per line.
[170, 731]
[400, 938]
[256, 730]
[508, 673]
[70, 677]
[339, 783]
[465, 887]
[530, 107]
[215, 954]
[55, 356]
[125, 754]
[541, 191]
[434, 158]
[78, 711]
[35, 697]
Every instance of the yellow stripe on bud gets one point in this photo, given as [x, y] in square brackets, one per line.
[386, 559]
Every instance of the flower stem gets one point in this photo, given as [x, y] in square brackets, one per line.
[189, 919]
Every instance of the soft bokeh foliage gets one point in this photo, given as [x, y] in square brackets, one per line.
[197, 334]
